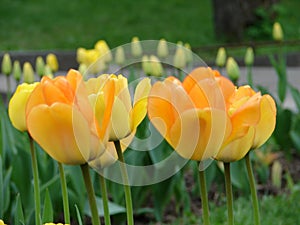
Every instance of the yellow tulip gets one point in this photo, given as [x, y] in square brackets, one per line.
[2, 223]
[110, 97]
[104, 50]
[251, 121]
[60, 119]
[117, 116]
[17, 105]
[51, 60]
[191, 115]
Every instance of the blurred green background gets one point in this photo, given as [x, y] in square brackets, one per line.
[66, 25]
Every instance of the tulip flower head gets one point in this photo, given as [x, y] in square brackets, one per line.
[40, 66]
[28, 73]
[52, 61]
[221, 57]
[17, 105]
[136, 48]
[251, 121]
[6, 64]
[190, 115]
[60, 119]
[104, 50]
[117, 115]
[2, 223]
[17, 71]
[277, 32]
[162, 49]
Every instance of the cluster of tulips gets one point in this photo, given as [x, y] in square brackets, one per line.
[91, 123]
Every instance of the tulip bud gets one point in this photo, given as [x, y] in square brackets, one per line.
[17, 71]
[188, 52]
[162, 49]
[104, 50]
[6, 64]
[146, 65]
[28, 73]
[221, 57]
[179, 58]
[233, 70]
[48, 71]
[39, 66]
[249, 57]
[80, 55]
[51, 60]
[136, 48]
[120, 56]
[276, 174]
[156, 67]
[277, 32]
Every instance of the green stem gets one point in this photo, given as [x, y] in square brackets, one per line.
[249, 76]
[127, 190]
[229, 194]
[8, 93]
[91, 194]
[104, 200]
[64, 193]
[253, 189]
[36, 187]
[204, 198]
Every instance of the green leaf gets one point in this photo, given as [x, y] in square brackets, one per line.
[295, 133]
[19, 215]
[239, 176]
[48, 209]
[283, 127]
[296, 96]
[78, 215]
[1, 188]
[6, 189]
[113, 208]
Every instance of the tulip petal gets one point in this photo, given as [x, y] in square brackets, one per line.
[166, 101]
[236, 149]
[139, 110]
[198, 134]
[266, 125]
[53, 128]
[120, 121]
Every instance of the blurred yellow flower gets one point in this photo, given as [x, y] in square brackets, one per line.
[52, 61]
[2, 223]
[221, 57]
[162, 49]
[17, 70]
[136, 48]
[277, 32]
[104, 50]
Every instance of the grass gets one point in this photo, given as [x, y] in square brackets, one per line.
[63, 24]
[280, 210]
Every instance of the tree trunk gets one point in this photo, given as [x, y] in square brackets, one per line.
[231, 17]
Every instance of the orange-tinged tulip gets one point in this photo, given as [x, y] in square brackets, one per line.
[191, 115]
[252, 119]
[17, 105]
[61, 120]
